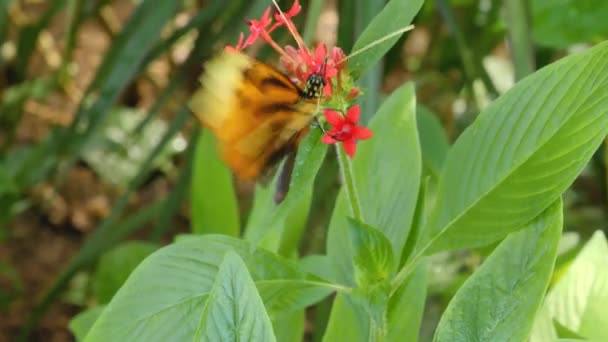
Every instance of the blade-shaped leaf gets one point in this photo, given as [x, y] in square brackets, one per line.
[165, 296]
[499, 301]
[406, 307]
[372, 253]
[387, 169]
[116, 265]
[284, 296]
[523, 151]
[267, 222]
[396, 15]
[579, 301]
[347, 321]
[82, 323]
[214, 205]
[234, 310]
[555, 27]
[433, 141]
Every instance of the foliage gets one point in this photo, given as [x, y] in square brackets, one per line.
[493, 183]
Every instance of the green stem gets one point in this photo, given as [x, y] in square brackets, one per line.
[518, 26]
[377, 331]
[471, 63]
[350, 186]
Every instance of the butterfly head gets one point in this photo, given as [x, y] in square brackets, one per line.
[315, 82]
[314, 86]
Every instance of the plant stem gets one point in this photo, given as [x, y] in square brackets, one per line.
[471, 63]
[518, 26]
[350, 186]
[377, 331]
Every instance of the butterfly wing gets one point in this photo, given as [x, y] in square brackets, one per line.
[255, 111]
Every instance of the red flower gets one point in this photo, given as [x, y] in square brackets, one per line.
[239, 45]
[301, 63]
[338, 57]
[258, 27]
[345, 129]
[293, 11]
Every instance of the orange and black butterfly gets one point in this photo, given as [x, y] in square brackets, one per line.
[256, 112]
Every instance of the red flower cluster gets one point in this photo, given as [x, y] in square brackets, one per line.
[301, 63]
[345, 129]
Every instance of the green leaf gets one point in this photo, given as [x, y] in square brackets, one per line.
[164, 296]
[214, 204]
[290, 327]
[387, 169]
[396, 15]
[319, 265]
[564, 332]
[347, 321]
[81, 324]
[8, 185]
[579, 301]
[121, 62]
[116, 265]
[499, 301]
[406, 307]
[522, 152]
[284, 296]
[372, 253]
[234, 310]
[267, 224]
[433, 141]
[555, 27]
[4, 5]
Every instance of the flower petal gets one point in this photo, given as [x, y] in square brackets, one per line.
[320, 53]
[327, 139]
[353, 114]
[265, 20]
[334, 118]
[362, 133]
[253, 36]
[350, 147]
[295, 9]
[338, 57]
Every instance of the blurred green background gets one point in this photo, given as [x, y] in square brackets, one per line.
[97, 147]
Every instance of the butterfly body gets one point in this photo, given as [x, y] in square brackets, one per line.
[256, 112]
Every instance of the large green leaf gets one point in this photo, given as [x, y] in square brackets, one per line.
[561, 23]
[433, 141]
[499, 301]
[290, 327]
[387, 170]
[234, 310]
[82, 323]
[284, 296]
[347, 321]
[164, 297]
[396, 15]
[116, 265]
[214, 205]
[406, 307]
[579, 301]
[522, 152]
[267, 224]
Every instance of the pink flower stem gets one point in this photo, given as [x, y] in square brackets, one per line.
[266, 37]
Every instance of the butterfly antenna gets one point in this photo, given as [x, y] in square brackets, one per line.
[293, 32]
[376, 42]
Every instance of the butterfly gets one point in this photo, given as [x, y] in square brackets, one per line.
[256, 112]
